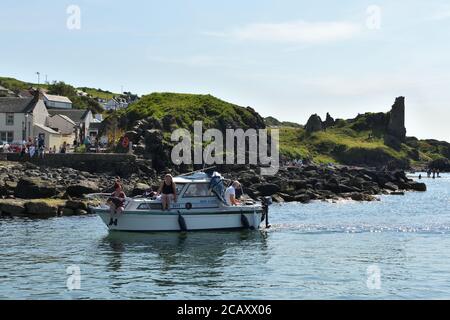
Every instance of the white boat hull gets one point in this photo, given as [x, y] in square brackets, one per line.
[197, 207]
[170, 221]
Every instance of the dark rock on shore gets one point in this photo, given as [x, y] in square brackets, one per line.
[34, 188]
[315, 182]
[290, 184]
[13, 208]
[81, 188]
[139, 189]
[41, 209]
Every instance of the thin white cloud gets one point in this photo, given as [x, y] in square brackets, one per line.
[440, 15]
[296, 32]
[199, 61]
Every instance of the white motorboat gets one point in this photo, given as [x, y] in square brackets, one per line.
[200, 206]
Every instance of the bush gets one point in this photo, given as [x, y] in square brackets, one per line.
[80, 149]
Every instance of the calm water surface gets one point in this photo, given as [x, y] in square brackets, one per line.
[314, 251]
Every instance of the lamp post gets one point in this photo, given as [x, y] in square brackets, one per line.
[27, 125]
[39, 77]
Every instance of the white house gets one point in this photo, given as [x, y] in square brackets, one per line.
[23, 118]
[61, 123]
[81, 118]
[115, 104]
[64, 125]
[28, 117]
[57, 102]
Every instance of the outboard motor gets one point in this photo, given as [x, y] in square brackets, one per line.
[266, 202]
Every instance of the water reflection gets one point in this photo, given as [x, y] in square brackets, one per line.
[191, 255]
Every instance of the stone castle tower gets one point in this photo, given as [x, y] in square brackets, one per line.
[396, 126]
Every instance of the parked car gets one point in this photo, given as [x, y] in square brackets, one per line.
[4, 146]
[16, 146]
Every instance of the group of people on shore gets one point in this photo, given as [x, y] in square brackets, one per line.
[432, 173]
[168, 193]
[33, 148]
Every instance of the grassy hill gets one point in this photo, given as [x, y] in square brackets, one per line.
[345, 144]
[273, 122]
[15, 85]
[181, 110]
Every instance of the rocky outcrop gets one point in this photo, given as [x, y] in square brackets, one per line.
[441, 164]
[41, 209]
[326, 183]
[311, 182]
[35, 188]
[81, 188]
[29, 181]
[12, 208]
[314, 124]
[139, 189]
[329, 122]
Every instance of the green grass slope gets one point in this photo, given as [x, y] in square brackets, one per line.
[343, 144]
[181, 110]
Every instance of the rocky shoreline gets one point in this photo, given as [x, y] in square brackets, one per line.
[39, 191]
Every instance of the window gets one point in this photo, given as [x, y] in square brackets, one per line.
[150, 206]
[10, 119]
[198, 190]
[180, 187]
[7, 136]
[144, 206]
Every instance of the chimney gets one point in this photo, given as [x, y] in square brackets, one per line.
[37, 95]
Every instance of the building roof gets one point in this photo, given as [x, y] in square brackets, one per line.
[25, 94]
[76, 115]
[17, 105]
[64, 117]
[51, 97]
[45, 128]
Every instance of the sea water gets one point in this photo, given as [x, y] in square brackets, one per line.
[395, 248]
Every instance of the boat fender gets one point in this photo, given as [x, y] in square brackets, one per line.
[245, 222]
[182, 223]
[188, 206]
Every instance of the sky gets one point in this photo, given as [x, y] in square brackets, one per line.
[285, 58]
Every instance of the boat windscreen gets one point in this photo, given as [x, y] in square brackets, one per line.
[217, 186]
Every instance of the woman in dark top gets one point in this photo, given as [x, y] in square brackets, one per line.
[168, 191]
[116, 203]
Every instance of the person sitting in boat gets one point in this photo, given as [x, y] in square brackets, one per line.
[168, 191]
[149, 193]
[230, 194]
[116, 203]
